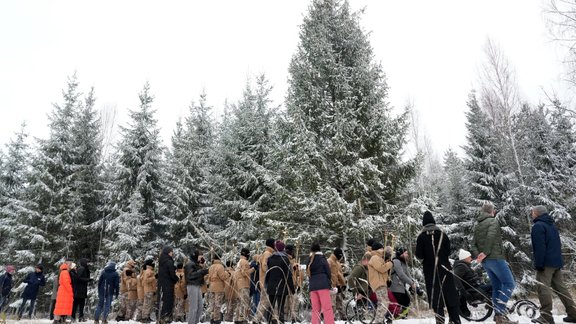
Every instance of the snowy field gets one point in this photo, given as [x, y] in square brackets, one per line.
[522, 320]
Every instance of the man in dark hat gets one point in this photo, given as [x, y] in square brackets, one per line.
[433, 248]
[279, 282]
[34, 281]
[338, 282]
[264, 305]
[167, 278]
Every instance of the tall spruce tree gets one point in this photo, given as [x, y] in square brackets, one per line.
[244, 167]
[341, 129]
[134, 220]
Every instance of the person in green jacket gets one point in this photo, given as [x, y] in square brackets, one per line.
[358, 278]
[487, 245]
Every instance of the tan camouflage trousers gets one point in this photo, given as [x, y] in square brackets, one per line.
[122, 299]
[130, 308]
[231, 305]
[147, 305]
[179, 311]
[291, 308]
[382, 308]
[338, 306]
[217, 299]
[263, 307]
[243, 306]
[139, 304]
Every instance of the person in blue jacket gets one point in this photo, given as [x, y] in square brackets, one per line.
[108, 288]
[548, 263]
[34, 281]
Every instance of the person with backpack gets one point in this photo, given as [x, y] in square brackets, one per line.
[34, 280]
[108, 289]
[400, 279]
[379, 268]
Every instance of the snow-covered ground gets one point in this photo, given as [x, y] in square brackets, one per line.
[522, 320]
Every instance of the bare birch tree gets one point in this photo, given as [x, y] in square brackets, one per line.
[560, 17]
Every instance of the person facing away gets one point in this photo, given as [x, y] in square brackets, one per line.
[358, 278]
[108, 288]
[166, 280]
[263, 309]
[180, 294]
[34, 280]
[278, 280]
[319, 283]
[195, 270]
[433, 248]
[243, 273]
[65, 294]
[400, 279]
[217, 276]
[487, 245]
[379, 268]
[548, 263]
[468, 282]
[338, 282]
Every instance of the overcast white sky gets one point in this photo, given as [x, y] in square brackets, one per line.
[430, 51]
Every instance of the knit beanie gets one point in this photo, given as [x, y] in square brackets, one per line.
[245, 252]
[270, 242]
[315, 247]
[377, 246]
[280, 246]
[463, 254]
[428, 218]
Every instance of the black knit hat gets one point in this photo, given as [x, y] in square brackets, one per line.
[377, 246]
[289, 249]
[179, 265]
[39, 266]
[245, 252]
[369, 242]
[149, 262]
[270, 242]
[400, 250]
[428, 218]
[338, 253]
[315, 247]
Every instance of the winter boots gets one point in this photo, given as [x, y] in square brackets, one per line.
[503, 319]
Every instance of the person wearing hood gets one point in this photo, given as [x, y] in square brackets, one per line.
[217, 277]
[81, 289]
[195, 270]
[263, 310]
[6, 284]
[108, 289]
[243, 272]
[180, 294]
[65, 294]
[487, 246]
[548, 263]
[338, 282]
[400, 279]
[167, 278]
[149, 284]
[123, 300]
[379, 268]
[278, 280]
[34, 280]
[433, 248]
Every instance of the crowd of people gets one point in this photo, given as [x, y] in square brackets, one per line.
[265, 287]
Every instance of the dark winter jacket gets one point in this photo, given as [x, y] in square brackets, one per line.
[109, 282]
[466, 278]
[166, 273]
[194, 273]
[279, 279]
[6, 284]
[319, 273]
[433, 247]
[546, 243]
[34, 280]
[358, 280]
[82, 280]
[254, 278]
[487, 237]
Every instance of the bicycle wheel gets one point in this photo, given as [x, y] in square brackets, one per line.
[362, 310]
[479, 311]
[526, 308]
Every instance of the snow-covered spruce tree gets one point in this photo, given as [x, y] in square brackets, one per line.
[454, 197]
[187, 212]
[86, 179]
[133, 226]
[343, 170]
[51, 179]
[245, 175]
[19, 235]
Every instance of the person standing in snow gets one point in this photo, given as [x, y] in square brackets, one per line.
[433, 248]
[195, 271]
[166, 280]
[319, 275]
[548, 263]
[108, 289]
[130, 265]
[6, 285]
[400, 279]
[487, 245]
[217, 277]
[243, 272]
[180, 294]
[34, 281]
[65, 294]
[278, 281]
[379, 268]
[81, 289]
[264, 304]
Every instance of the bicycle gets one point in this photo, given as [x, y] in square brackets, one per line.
[360, 309]
[481, 309]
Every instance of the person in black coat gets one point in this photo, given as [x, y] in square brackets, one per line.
[278, 280]
[433, 248]
[81, 289]
[195, 270]
[34, 281]
[166, 279]
[6, 285]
